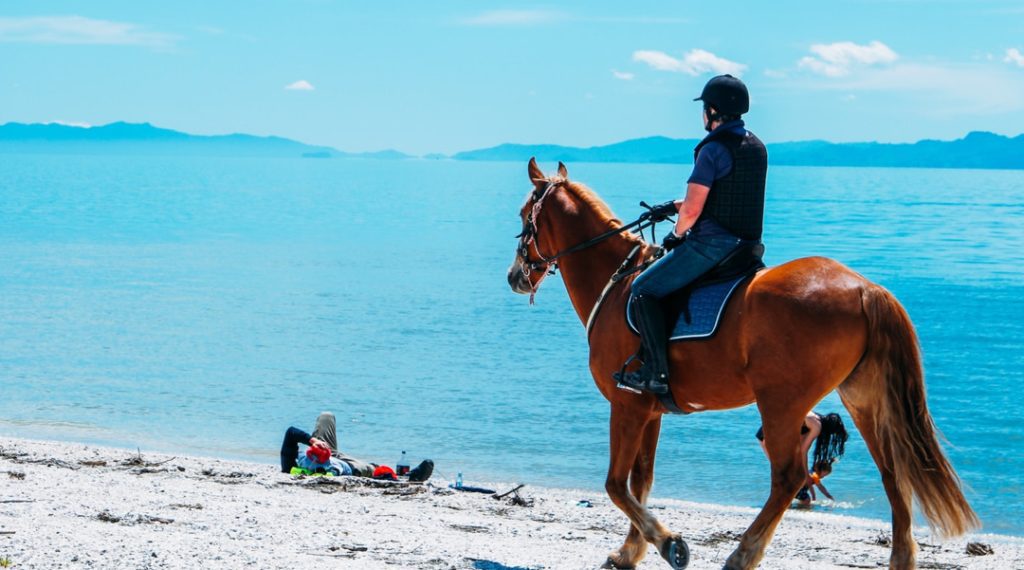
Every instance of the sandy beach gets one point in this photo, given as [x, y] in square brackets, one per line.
[78, 506]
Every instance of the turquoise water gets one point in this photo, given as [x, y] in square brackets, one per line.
[203, 305]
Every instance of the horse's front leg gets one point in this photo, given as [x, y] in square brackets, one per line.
[634, 442]
[640, 480]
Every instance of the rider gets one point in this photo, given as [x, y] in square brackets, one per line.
[723, 209]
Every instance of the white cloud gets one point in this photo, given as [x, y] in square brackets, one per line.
[949, 89]
[775, 73]
[837, 59]
[79, 30]
[1014, 56]
[513, 18]
[300, 85]
[694, 62]
[623, 75]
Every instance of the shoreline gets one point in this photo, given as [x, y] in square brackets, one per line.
[84, 506]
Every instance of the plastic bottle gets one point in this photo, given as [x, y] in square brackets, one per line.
[458, 480]
[403, 465]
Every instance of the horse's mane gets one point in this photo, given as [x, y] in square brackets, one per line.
[587, 196]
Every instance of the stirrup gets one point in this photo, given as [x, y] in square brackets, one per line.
[620, 376]
[622, 386]
[636, 383]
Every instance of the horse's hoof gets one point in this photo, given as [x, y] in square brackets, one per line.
[609, 563]
[676, 553]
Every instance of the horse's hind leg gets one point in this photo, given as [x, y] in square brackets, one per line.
[641, 478]
[859, 395]
[634, 438]
[789, 471]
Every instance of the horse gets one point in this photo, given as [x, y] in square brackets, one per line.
[790, 335]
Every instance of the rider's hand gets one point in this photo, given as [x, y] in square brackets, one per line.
[671, 241]
[663, 211]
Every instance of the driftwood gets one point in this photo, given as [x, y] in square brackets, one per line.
[191, 506]
[47, 461]
[515, 499]
[979, 549]
[509, 492]
[138, 461]
[350, 551]
[130, 519]
[349, 547]
[332, 554]
[209, 472]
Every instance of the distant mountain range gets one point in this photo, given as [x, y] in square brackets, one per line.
[976, 150]
[145, 139]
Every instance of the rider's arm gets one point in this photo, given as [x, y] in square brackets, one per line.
[691, 206]
[713, 162]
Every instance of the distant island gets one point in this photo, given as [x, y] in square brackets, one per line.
[975, 150]
[145, 139]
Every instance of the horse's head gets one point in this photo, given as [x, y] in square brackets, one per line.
[532, 262]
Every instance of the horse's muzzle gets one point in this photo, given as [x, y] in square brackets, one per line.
[518, 280]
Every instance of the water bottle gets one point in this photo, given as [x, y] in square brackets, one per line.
[458, 480]
[403, 465]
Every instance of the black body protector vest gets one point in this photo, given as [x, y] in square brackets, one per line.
[736, 201]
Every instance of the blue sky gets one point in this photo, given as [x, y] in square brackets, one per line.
[447, 76]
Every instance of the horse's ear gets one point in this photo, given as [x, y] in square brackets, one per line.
[562, 170]
[536, 176]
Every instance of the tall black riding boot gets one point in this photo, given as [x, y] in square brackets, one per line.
[653, 375]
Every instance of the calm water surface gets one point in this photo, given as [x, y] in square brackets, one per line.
[203, 305]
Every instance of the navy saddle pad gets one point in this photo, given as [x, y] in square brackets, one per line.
[706, 304]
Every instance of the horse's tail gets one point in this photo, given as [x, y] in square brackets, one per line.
[904, 429]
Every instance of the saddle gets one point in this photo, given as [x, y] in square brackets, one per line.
[694, 311]
[741, 263]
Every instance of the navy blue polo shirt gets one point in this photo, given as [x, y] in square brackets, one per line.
[714, 161]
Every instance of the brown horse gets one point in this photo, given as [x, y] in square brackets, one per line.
[790, 335]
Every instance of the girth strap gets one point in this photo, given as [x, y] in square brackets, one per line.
[608, 287]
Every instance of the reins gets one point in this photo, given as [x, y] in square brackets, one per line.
[549, 264]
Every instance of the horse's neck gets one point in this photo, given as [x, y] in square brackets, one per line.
[586, 272]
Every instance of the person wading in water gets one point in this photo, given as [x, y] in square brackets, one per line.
[828, 434]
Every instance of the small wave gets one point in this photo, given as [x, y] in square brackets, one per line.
[837, 505]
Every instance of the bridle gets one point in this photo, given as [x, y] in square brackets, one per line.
[530, 235]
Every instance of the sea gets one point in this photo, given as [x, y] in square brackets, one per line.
[195, 305]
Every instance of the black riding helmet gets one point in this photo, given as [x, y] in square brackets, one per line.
[727, 95]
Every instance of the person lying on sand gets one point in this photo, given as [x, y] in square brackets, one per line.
[323, 456]
[829, 436]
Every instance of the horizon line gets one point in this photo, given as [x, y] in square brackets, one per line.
[87, 126]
